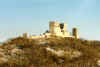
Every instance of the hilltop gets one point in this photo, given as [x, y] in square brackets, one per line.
[49, 52]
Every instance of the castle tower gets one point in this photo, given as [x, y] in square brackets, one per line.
[25, 35]
[75, 32]
[63, 27]
[54, 28]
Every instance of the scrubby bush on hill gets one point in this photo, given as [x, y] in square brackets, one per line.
[50, 52]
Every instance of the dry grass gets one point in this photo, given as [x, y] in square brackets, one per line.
[34, 53]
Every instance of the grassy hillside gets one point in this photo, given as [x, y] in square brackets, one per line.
[49, 52]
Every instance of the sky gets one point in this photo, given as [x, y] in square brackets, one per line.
[33, 16]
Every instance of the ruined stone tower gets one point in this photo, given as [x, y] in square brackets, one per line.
[75, 32]
[55, 28]
[25, 35]
[58, 29]
[63, 27]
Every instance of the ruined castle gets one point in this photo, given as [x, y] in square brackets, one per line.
[57, 29]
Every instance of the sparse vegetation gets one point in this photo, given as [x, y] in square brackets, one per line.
[62, 52]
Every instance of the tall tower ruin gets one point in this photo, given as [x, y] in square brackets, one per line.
[63, 27]
[58, 29]
[25, 35]
[55, 28]
[75, 32]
